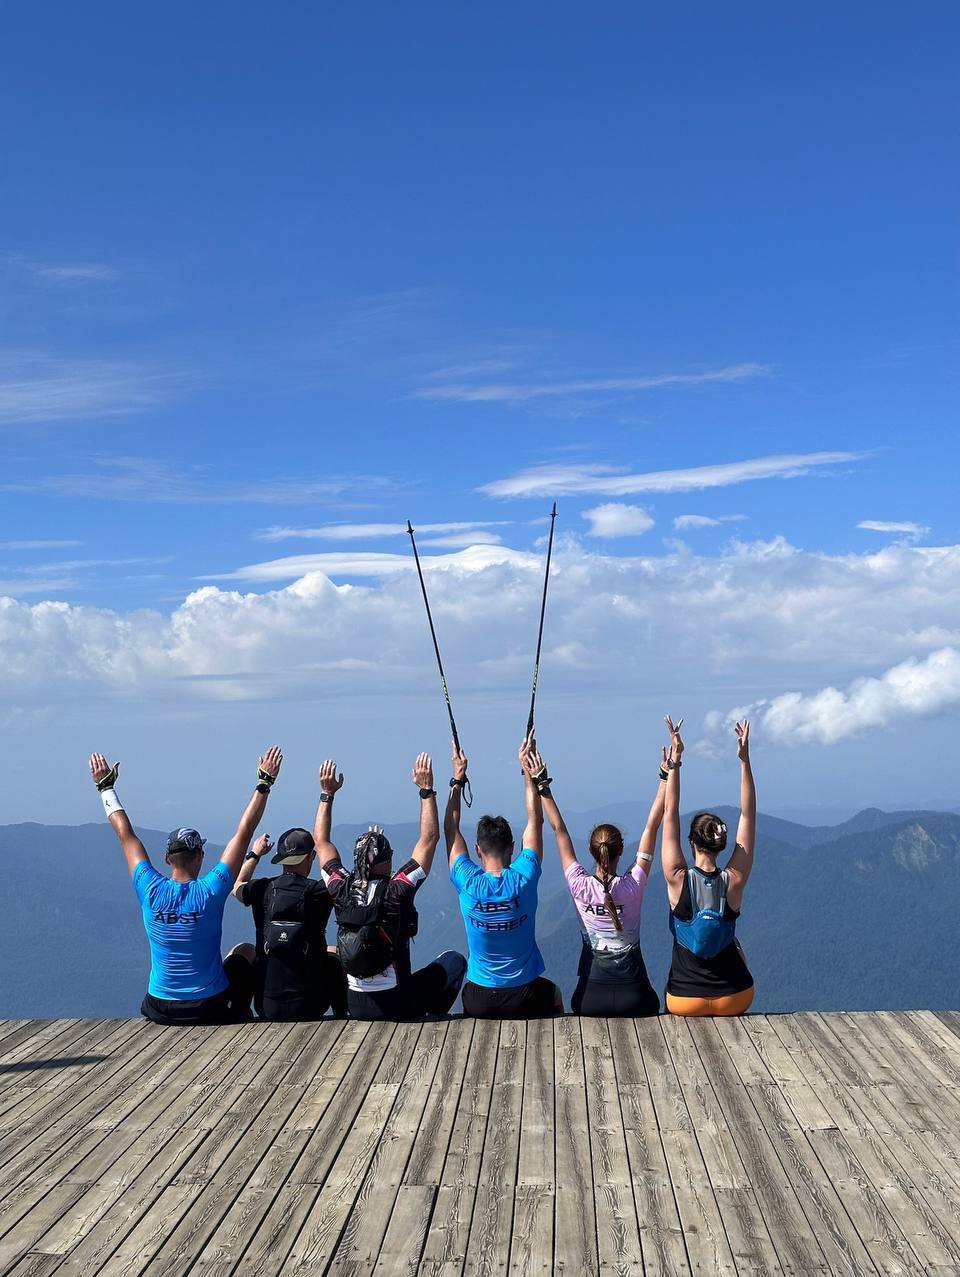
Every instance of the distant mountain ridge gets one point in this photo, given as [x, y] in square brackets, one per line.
[852, 916]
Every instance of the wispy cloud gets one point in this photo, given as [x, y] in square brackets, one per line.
[38, 545]
[616, 520]
[148, 479]
[513, 392]
[40, 387]
[369, 531]
[60, 272]
[683, 521]
[909, 531]
[606, 480]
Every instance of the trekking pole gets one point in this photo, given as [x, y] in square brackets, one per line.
[543, 609]
[467, 791]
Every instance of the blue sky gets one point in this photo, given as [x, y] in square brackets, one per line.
[264, 272]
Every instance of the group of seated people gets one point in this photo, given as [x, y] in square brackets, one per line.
[292, 974]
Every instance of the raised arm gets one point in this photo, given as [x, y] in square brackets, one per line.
[235, 850]
[741, 862]
[533, 833]
[648, 839]
[250, 862]
[429, 818]
[105, 778]
[456, 843]
[536, 769]
[671, 853]
[330, 781]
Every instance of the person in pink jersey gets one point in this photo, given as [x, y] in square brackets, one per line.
[613, 979]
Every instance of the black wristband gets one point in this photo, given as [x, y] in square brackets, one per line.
[544, 790]
[428, 793]
[263, 788]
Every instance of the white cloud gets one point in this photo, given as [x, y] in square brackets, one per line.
[566, 480]
[119, 478]
[372, 563]
[914, 688]
[39, 387]
[460, 540]
[616, 520]
[512, 393]
[38, 545]
[684, 521]
[739, 627]
[911, 531]
[370, 531]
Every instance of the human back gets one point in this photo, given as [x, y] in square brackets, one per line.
[184, 926]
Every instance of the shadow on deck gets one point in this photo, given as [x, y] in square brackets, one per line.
[809, 1143]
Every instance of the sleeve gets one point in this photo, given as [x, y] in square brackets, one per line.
[578, 880]
[640, 873]
[144, 879]
[463, 872]
[248, 892]
[527, 866]
[408, 878]
[218, 883]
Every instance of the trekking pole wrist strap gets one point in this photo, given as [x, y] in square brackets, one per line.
[266, 779]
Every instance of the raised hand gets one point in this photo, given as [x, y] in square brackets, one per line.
[676, 741]
[743, 740]
[458, 761]
[423, 772]
[531, 761]
[330, 780]
[262, 845]
[269, 764]
[104, 776]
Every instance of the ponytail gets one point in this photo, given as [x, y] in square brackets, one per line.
[606, 847]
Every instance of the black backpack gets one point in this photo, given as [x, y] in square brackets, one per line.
[363, 945]
[285, 933]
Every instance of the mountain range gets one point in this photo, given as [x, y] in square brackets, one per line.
[853, 916]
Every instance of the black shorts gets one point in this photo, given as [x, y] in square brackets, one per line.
[533, 1001]
[232, 1006]
[429, 991]
[323, 988]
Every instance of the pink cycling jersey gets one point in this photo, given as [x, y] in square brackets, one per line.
[626, 892]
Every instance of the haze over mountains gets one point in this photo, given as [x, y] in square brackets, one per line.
[858, 915]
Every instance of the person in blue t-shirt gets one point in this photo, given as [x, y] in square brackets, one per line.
[498, 900]
[190, 983]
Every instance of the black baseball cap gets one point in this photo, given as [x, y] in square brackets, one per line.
[293, 846]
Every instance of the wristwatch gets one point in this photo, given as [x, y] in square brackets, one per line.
[325, 798]
[428, 793]
[252, 855]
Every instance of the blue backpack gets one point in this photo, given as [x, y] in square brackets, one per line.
[707, 933]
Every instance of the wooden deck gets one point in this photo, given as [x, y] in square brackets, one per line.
[775, 1144]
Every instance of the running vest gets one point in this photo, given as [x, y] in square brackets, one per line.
[285, 933]
[707, 933]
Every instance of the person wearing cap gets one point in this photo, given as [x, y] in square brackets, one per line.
[190, 983]
[377, 916]
[295, 978]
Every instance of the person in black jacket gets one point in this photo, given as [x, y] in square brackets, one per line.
[295, 976]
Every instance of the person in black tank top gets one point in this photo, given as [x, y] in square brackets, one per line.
[708, 972]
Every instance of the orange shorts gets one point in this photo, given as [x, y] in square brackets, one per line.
[731, 1004]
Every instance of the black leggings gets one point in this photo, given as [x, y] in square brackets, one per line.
[430, 991]
[614, 984]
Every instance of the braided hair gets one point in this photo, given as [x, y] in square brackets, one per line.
[709, 833]
[371, 848]
[606, 847]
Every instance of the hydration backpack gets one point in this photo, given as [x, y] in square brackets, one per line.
[363, 945]
[707, 933]
[285, 932]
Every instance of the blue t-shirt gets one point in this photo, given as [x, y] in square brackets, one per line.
[500, 914]
[183, 922]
